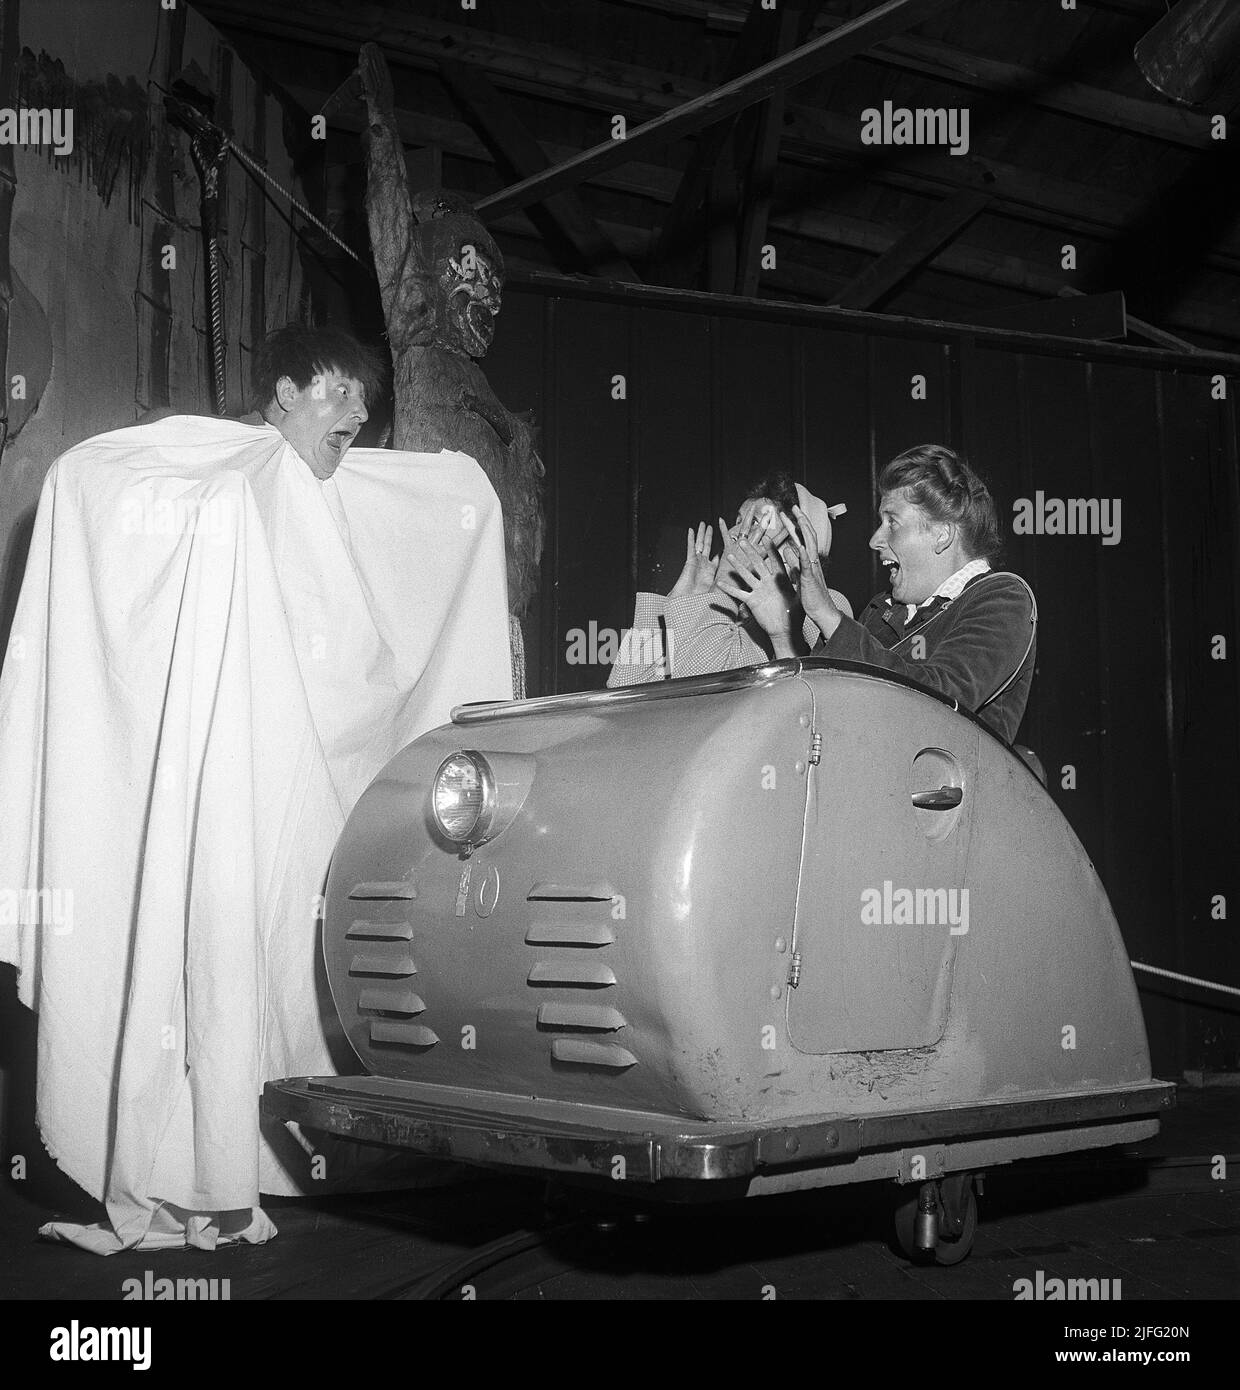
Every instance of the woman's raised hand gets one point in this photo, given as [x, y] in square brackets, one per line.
[815, 596]
[764, 590]
[698, 575]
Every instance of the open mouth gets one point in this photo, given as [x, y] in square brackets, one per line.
[339, 440]
[481, 322]
[893, 570]
[476, 321]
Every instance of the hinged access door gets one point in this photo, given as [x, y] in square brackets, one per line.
[884, 903]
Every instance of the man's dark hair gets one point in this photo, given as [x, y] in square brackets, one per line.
[946, 489]
[301, 353]
[780, 487]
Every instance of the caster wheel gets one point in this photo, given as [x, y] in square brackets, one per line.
[948, 1250]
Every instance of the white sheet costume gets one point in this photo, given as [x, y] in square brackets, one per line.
[213, 654]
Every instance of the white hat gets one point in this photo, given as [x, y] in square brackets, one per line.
[819, 515]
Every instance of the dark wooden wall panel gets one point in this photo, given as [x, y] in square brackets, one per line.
[1059, 464]
[754, 386]
[993, 394]
[590, 444]
[672, 373]
[899, 419]
[1199, 481]
[1138, 861]
[835, 445]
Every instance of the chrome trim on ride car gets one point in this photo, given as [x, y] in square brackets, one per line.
[475, 1127]
[713, 684]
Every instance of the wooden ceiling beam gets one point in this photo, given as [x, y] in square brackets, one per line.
[721, 13]
[658, 184]
[793, 24]
[969, 263]
[426, 42]
[912, 250]
[976, 264]
[812, 137]
[1047, 90]
[565, 221]
[787, 70]
[678, 227]
[1140, 327]
[1102, 317]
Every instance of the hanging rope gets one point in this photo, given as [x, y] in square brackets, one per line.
[210, 154]
[210, 147]
[250, 162]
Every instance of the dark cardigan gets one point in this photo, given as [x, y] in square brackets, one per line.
[972, 645]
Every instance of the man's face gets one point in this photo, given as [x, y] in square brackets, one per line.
[322, 419]
[905, 542]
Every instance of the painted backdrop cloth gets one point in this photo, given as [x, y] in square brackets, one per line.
[213, 654]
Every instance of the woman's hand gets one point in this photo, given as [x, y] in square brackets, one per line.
[729, 536]
[698, 575]
[815, 596]
[762, 587]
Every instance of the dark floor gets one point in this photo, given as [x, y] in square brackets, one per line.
[1157, 1219]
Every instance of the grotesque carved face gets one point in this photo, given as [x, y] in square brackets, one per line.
[475, 294]
[467, 273]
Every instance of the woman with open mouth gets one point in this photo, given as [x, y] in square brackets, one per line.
[948, 620]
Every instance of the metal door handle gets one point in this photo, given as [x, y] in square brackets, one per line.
[941, 799]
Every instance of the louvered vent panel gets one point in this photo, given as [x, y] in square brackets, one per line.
[369, 964]
[385, 1030]
[595, 891]
[570, 934]
[399, 891]
[382, 931]
[572, 973]
[398, 1001]
[582, 920]
[587, 1052]
[595, 1016]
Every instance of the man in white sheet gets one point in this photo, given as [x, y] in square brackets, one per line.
[225, 630]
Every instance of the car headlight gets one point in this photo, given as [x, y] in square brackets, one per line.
[463, 797]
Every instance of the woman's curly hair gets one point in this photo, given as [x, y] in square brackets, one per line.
[946, 489]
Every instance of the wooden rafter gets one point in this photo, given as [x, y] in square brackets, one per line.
[792, 26]
[917, 246]
[1047, 90]
[720, 13]
[709, 148]
[1101, 317]
[789, 69]
[985, 266]
[563, 218]
[658, 183]
[721, 243]
[1145, 330]
[811, 137]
